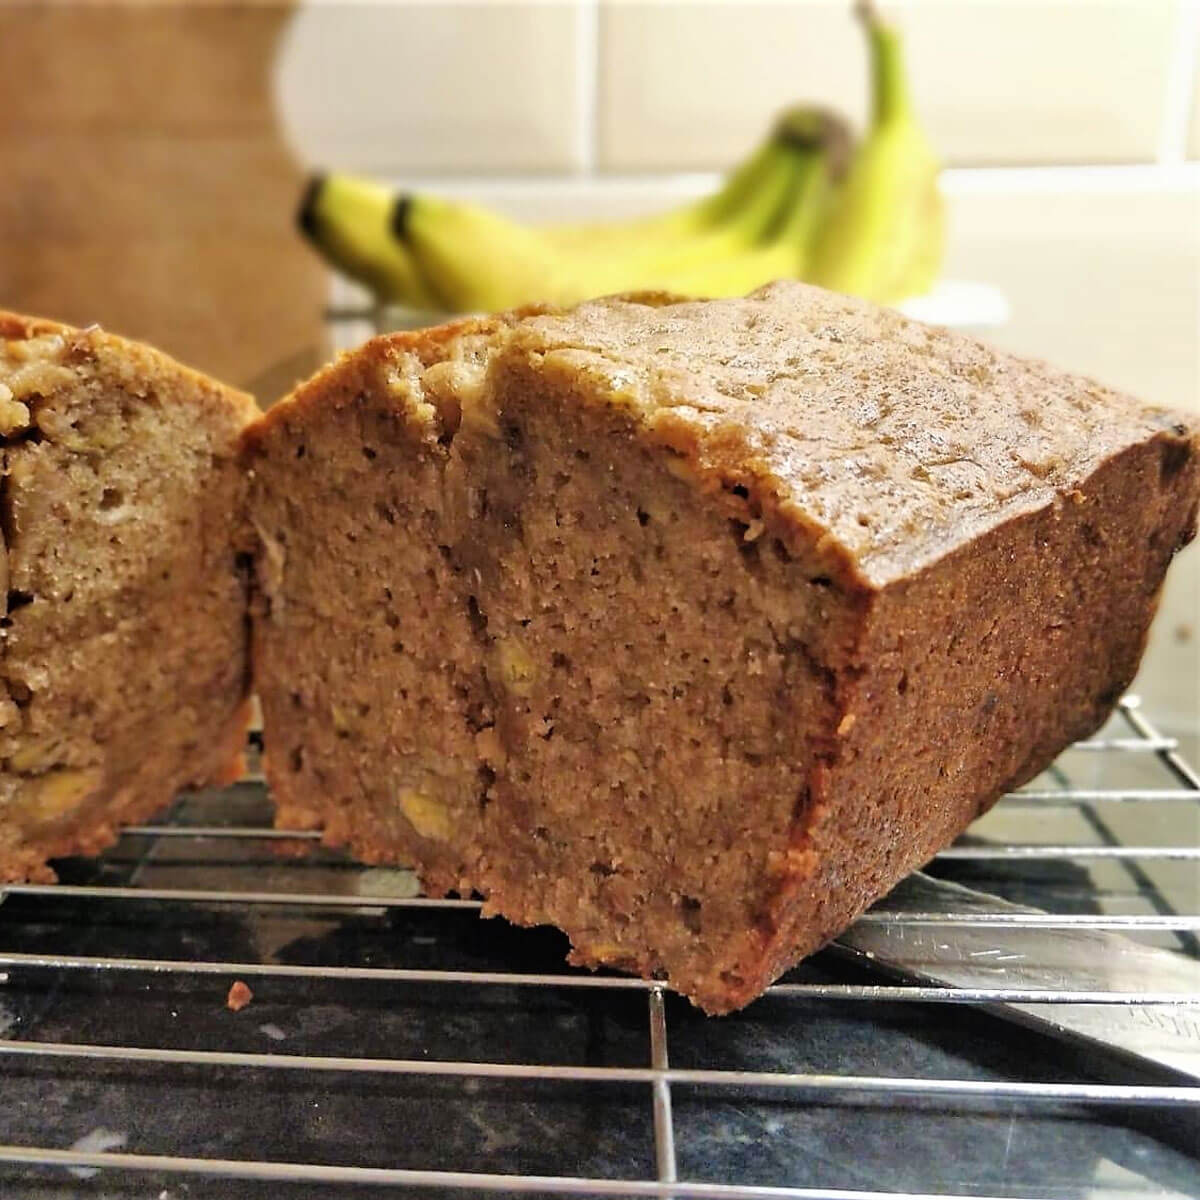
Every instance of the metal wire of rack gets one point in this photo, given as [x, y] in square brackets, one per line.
[47, 931]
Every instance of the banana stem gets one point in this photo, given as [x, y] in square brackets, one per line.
[889, 81]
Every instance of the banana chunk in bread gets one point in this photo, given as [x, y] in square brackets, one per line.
[692, 627]
[124, 644]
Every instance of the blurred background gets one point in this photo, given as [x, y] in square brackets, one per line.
[155, 155]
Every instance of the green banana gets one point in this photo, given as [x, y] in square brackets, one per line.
[346, 219]
[885, 235]
[695, 217]
[823, 143]
[747, 225]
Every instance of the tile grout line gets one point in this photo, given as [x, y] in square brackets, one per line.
[587, 86]
[1179, 85]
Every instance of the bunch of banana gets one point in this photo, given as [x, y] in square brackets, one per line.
[793, 208]
[427, 251]
[885, 236]
[821, 141]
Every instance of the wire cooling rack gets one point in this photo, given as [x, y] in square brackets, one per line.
[395, 1043]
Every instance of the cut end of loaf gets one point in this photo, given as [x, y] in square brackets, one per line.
[523, 658]
[124, 637]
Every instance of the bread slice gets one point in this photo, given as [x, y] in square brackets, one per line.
[691, 628]
[124, 648]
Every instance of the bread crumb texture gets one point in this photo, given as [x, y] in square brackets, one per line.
[122, 634]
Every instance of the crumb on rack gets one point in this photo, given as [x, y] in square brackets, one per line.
[239, 996]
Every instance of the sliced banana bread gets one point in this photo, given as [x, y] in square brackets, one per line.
[688, 627]
[124, 645]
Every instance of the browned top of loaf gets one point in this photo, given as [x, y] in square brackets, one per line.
[892, 440]
[129, 363]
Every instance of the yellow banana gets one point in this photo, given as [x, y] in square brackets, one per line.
[884, 238]
[475, 260]
[460, 256]
[823, 142]
[346, 219]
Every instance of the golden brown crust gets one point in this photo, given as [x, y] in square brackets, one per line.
[94, 339]
[14, 325]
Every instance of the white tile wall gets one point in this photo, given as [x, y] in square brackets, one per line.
[1012, 81]
[997, 81]
[640, 85]
[1193, 149]
[433, 87]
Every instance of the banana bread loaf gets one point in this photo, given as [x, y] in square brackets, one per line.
[124, 644]
[692, 627]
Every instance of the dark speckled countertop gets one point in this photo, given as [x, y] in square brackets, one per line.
[743, 1136]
